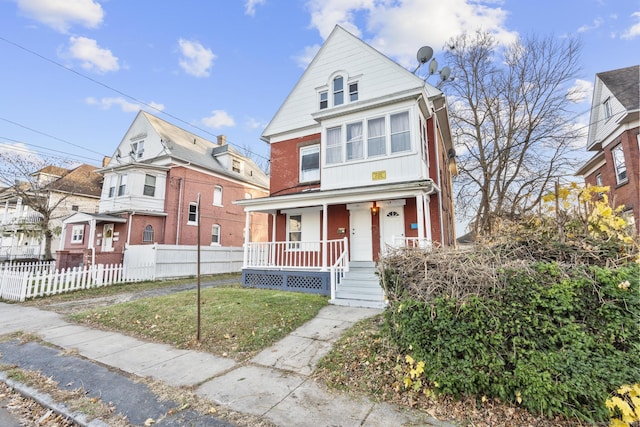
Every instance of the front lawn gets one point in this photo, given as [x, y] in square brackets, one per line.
[235, 322]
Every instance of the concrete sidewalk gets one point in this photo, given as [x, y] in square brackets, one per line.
[274, 385]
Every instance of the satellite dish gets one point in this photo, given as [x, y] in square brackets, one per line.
[424, 54]
[433, 66]
[445, 73]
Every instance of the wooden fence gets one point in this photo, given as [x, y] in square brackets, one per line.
[19, 285]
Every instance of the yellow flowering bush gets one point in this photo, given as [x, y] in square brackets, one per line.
[624, 406]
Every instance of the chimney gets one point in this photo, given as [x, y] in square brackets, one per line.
[222, 139]
[105, 161]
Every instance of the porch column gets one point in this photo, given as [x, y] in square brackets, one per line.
[247, 238]
[420, 209]
[325, 234]
[92, 240]
[426, 201]
[6, 212]
[63, 235]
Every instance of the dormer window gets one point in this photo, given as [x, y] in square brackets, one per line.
[137, 148]
[338, 90]
[236, 165]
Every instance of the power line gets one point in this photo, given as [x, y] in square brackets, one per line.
[70, 155]
[91, 79]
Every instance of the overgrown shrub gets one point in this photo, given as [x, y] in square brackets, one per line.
[556, 339]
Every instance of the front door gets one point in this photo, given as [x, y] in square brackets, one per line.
[361, 241]
[392, 226]
[107, 238]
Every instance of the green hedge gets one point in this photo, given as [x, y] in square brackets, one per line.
[557, 342]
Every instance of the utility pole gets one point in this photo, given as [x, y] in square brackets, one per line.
[198, 274]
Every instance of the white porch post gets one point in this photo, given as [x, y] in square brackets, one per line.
[247, 238]
[6, 212]
[63, 235]
[420, 208]
[325, 234]
[426, 201]
[92, 240]
[272, 258]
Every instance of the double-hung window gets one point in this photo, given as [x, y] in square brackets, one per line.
[334, 146]
[338, 90]
[353, 92]
[295, 231]
[77, 233]
[310, 163]
[137, 148]
[147, 234]
[215, 234]
[193, 214]
[354, 141]
[324, 100]
[606, 105]
[149, 185]
[122, 187]
[376, 139]
[236, 166]
[113, 181]
[619, 164]
[400, 132]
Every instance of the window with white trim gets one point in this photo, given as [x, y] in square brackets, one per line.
[324, 99]
[217, 195]
[294, 226]
[599, 180]
[338, 90]
[215, 234]
[377, 139]
[113, 182]
[619, 164]
[354, 141]
[137, 148]
[400, 133]
[192, 218]
[122, 185]
[310, 163]
[147, 234]
[149, 185]
[77, 233]
[353, 92]
[236, 166]
[334, 146]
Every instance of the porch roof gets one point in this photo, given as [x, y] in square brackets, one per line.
[339, 196]
[81, 217]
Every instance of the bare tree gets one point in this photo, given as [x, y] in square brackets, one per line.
[33, 180]
[510, 116]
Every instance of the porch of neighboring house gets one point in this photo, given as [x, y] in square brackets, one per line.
[354, 231]
[20, 236]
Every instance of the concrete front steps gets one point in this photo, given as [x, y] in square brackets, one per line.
[360, 287]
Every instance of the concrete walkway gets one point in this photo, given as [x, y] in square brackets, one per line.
[274, 385]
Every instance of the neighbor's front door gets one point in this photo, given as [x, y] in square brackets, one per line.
[107, 238]
[392, 226]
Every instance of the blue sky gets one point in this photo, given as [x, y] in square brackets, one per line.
[75, 72]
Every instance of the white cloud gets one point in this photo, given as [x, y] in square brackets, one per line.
[307, 55]
[634, 30]
[61, 14]
[596, 23]
[580, 91]
[218, 119]
[250, 6]
[123, 104]
[17, 149]
[196, 60]
[92, 56]
[401, 28]
[252, 123]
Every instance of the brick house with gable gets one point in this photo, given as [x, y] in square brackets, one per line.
[159, 181]
[361, 162]
[614, 136]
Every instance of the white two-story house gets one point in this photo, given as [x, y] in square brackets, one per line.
[361, 161]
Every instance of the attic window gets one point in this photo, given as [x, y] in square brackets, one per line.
[324, 100]
[607, 108]
[137, 148]
[338, 90]
[235, 165]
[353, 92]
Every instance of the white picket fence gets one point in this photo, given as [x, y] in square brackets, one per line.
[20, 284]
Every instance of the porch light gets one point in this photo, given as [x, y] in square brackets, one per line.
[374, 209]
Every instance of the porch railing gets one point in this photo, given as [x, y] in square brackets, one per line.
[294, 255]
[411, 242]
[339, 268]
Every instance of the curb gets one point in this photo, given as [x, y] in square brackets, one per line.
[47, 401]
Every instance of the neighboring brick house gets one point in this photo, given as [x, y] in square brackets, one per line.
[150, 195]
[614, 136]
[60, 191]
[361, 161]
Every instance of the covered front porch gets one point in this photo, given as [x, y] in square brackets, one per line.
[329, 242]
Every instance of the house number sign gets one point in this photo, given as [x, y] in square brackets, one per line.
[379, 175]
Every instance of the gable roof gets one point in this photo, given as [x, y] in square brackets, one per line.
[341, 50]
[183, 146]
[82, 180]
[624, 83]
